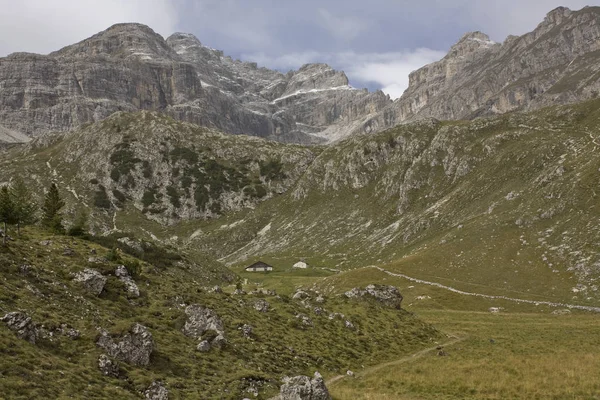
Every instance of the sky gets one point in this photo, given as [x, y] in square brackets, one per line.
[376, 42]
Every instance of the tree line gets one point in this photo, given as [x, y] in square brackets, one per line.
[18, 208]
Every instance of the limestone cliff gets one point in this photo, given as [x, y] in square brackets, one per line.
[557, 63]
[129, 67]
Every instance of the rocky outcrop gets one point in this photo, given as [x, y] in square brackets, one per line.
[200, 320]
[132, 289]
[156, 391]
[304, 388]
[387, 295]
[557, 63]
[135, 347]
[22, 325]
[129, 67]
[92, 280]
[261, 306]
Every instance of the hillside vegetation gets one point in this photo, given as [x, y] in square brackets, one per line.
[266, 336]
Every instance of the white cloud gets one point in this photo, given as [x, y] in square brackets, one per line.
[42, 26]
[386, 70]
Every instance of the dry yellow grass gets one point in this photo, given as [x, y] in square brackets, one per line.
[510, 356]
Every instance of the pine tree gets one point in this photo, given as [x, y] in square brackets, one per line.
[25, 207]
[7, 211]
[51, 217]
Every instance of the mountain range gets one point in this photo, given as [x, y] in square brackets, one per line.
[129, 67]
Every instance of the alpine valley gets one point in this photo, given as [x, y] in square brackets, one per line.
[443, 245]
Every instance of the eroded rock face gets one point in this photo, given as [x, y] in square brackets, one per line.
[129, 67]
[304, 388]
[388, 295]
[479, 77]
[135, 347]
[22, 325]
[92, 280]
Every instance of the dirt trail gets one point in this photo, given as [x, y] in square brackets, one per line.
[487, 296]
[402, 360]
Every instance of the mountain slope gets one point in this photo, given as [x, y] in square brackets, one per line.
[507, 202]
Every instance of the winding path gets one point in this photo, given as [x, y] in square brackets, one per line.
[487, 296]
[415, 356]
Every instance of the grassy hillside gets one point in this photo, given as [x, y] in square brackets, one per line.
[37, 272]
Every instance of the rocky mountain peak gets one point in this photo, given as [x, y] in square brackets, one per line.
[317, 77]
[470, 43]
[121, 41]
[557, 16]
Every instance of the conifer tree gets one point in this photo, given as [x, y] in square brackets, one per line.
[25, 206]
[7, 211]
[51, 217]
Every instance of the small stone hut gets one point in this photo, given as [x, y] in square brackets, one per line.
[259, 267]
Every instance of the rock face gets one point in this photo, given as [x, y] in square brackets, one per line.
[388, 295]
[303, 388]
[129, 67]
[557, 63]
[92, 280]
[133, 348]
[22, 325]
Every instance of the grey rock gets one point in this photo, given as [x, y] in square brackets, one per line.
[93, 281]
[305, 319]
[300, 295]
[320, 299]
[69, 332]
[200, 320]
[388, 295]
[123, 275]
[22, 325]
[246, 330]
[108, 367]
[262, 306]
[239, 292]
[135, 347]
[348, 324]
[156, 391]
[203, 346]
[69, 252]
[216, 289]
[304, 388]
[219, 341]
[45, 242]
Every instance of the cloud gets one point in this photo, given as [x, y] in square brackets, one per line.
[388, 71]
[341, 27]
[42, 26]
